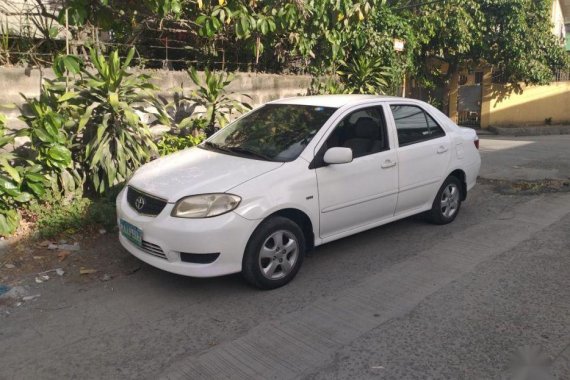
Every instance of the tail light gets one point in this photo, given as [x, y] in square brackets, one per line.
[476, 142]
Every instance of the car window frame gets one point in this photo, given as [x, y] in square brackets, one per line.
[426, 114]
[317, 161]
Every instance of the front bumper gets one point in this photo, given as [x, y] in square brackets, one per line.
[165, 237]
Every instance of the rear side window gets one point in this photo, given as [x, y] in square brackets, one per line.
[414, 125]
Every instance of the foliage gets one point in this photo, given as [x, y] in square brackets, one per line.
[365, 75]
[20, 181]
[212, 95]
[51, 142]
[519, 41]
[327, 85]
[58, 215]
[514, 36]
[87, 125]
[112, 137]
[170, 143]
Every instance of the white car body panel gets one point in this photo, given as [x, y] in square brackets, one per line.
[339, 200]
[196, 171]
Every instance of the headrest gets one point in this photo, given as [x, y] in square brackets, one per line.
[366, 128]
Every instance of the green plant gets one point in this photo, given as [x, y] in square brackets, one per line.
[170, 143]
[329, 85]
[58, 215]
[51, 142]
[112, 138]
[20, 181]
[214, 98]
[365, 75]
[102, 108]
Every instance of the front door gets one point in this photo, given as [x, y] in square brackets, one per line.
[365, 190]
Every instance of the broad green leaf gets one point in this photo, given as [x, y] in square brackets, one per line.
[68, 95]
[12, 172]
[60, 153]
[23, 197]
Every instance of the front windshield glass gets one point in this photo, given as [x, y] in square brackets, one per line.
[274, 132]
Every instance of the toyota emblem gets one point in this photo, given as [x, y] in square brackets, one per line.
[139, 203]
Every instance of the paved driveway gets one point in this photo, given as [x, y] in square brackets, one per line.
[407, 300]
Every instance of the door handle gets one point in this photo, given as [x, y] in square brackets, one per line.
[388, 164]
[442, 149]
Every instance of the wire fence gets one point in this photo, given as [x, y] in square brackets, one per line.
[29, 38]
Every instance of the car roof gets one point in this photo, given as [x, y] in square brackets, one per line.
[335, 101]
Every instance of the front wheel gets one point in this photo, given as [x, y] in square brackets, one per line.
[447, 202]
[274, 253]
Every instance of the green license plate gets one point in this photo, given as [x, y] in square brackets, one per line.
[133, 233]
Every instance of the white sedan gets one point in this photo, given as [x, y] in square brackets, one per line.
[291, 175]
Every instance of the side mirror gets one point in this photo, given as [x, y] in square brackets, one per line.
[338, 156]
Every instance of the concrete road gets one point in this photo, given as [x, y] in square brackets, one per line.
[407, 300]
[525, 158]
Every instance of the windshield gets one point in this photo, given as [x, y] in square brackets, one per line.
[274, 132]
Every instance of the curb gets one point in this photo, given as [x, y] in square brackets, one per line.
[532, 131]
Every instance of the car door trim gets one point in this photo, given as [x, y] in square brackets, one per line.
[359, 201]
[416, 185]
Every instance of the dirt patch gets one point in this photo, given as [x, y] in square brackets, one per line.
[527, 187]
[80, 258]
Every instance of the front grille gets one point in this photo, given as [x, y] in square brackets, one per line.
[144, 203]
[198, 258]
[153, 249]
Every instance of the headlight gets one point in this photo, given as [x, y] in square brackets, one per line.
[205, 205]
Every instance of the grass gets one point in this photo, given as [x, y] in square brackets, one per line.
[56, 217]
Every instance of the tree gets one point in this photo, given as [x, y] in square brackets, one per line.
[519, 41]
[512, 35]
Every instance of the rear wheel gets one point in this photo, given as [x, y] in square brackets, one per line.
[447, 202]
[274, 253]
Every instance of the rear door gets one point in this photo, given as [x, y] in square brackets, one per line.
[423, 156]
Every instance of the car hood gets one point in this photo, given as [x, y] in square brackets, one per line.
[197, 171]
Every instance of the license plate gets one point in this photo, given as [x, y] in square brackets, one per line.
[132, 233]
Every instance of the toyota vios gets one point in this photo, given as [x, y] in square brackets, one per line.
[291, 175]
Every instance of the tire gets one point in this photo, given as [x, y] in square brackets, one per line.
[447, 202]
[274, 253]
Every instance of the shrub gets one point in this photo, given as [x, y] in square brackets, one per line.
[20, 181]
[51, 141]
[212, 95]
[85, 128]
[112, 139]
[170, 143]
[365, 75]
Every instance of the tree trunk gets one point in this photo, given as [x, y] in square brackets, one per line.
[450, 91]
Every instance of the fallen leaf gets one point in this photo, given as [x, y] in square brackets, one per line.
[63, 255]
[84, 270]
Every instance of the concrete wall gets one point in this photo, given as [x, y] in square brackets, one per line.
[260, 87]
[530, 107]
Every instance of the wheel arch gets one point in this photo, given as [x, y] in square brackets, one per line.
[460, 175]
[302, 220]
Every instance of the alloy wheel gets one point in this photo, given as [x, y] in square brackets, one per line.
[278, 254]
[450, 200]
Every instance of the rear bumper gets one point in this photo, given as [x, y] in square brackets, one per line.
[166, 237]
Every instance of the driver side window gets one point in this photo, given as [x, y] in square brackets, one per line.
[363, 131]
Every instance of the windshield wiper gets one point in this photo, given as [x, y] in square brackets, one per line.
[215, 146]
[246, 151]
